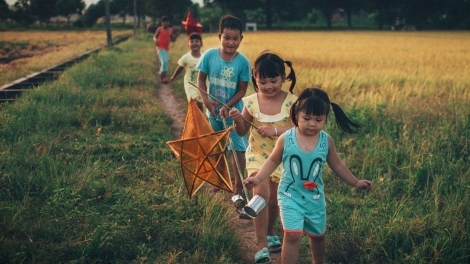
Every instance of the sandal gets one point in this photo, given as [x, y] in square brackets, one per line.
[274, 245]
[263, 257]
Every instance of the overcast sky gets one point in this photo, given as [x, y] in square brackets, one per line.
[89, 2]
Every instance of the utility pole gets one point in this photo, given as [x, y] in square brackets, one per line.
[135, 17]
[107, 21]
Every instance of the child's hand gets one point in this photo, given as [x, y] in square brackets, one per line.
[363, 185]
[235, 114]
[210, 105]
[251, 182]
[266, 131]
[223, 112]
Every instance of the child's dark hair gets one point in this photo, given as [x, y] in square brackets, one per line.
[231, 22]
[314, 101]
[195, 35]
[271, 65]
[164, 18]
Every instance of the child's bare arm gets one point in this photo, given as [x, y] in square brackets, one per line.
[155, 36]
[269, 166]
[201, 83]
[342, 171]
[242, 86]
[241, 126]
[178, 70]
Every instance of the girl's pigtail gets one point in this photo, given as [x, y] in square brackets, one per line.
[291, 76]
[293, 112]
[343, 122]
[253, 79]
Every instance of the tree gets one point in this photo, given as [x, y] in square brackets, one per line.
[327, 7]
[5, 12]
[67, 8]
[43, 10]
[92, 13]
[22, 13]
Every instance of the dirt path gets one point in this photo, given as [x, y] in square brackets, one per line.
[178, 114]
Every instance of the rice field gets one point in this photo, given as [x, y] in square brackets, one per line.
[46, 49]
[420, 70]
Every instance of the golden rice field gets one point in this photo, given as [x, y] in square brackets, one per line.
[421, 70]
[49, 48]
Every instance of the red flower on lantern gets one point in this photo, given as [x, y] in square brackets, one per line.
[310, 185]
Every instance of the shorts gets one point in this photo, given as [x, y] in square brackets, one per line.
[164, 57]
[240, 143]
[295, 218]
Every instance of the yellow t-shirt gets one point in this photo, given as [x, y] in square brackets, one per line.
[259, 148]
[189, 63]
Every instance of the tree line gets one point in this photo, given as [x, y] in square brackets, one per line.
[421, 14]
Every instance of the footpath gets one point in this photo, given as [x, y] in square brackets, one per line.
[178, 115]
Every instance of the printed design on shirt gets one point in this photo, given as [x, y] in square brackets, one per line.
[249, 104]
[193, 75]
[227, 73]
[297, 172]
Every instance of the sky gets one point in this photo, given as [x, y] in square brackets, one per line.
[89, 2]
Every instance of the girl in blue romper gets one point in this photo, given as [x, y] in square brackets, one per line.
[303, 151]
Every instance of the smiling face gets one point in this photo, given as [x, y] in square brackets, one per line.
[194, 45]
[230, 40]
[270, 87]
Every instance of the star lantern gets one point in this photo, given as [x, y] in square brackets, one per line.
[201, 152]
[191, 25]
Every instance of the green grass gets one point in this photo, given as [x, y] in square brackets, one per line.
[86, 176]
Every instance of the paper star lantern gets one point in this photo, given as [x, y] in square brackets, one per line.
[201, 153]
[191, 25]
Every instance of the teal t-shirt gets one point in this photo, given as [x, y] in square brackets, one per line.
[224, 76]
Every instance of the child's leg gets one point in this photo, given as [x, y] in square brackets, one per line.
[290, 247]
[200, 106]
[261, 222]
[273, 207]
[317, 246]
[238, 189]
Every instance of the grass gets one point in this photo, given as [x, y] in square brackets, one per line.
[53, 48]
[408, 90]
[86, 176]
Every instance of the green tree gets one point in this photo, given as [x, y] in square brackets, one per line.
[22, 13]
[67, 8]
[92, 13]
[5, 12]
[43, 10]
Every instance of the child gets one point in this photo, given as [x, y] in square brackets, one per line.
[189, 61]
[303, 151]
[268, 110]
[162, 38]
[228, 74]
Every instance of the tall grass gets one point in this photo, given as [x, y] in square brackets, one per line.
[86, 175]
[409, 90]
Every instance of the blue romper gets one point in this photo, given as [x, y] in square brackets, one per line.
[303, 210]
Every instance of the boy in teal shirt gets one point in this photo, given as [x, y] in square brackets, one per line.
[228, 73]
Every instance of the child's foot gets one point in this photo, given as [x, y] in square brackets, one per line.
[274, 245]
[165, 81]
[263, 256]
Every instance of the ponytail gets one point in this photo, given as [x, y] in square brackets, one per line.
[291, 76]
[343, 122]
